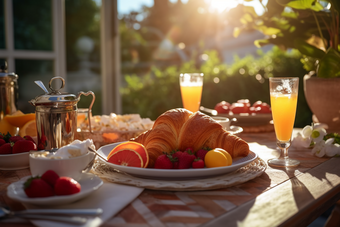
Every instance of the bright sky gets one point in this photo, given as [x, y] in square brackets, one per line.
[125, 6]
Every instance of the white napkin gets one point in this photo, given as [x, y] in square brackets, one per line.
[110, 197]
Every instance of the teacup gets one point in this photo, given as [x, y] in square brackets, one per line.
[224, 121]
[69, 167]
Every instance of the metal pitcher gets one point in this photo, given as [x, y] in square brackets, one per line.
[8, 91]
[56, 115]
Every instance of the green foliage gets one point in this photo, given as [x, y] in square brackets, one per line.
[158, 91]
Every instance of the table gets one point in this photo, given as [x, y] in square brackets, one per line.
[279, 197]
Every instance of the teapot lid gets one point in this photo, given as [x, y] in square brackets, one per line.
[54, 96]
[4, 74]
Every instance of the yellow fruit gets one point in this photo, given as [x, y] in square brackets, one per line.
[19, 119]
[6, 127]
[30, 129]
[215, 158]
[226, 153]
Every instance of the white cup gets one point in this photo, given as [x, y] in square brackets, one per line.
[224, 121]
[70, 167]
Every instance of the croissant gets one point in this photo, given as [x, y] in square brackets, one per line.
[180, 129]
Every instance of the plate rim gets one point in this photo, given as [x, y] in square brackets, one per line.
[178, 173]
[53, 200]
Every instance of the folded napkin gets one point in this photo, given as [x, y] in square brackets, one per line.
[110, 197]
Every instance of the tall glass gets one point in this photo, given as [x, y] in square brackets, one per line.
[191, 90]
[283, 99]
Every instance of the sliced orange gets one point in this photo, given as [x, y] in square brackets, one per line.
[126, 157]
[131, 145]
[30, 129]
[19, 119]
[6, 127]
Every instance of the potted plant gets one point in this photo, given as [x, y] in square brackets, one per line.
[313, 28]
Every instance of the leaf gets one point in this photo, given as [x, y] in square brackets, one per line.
[261, 42]
[307, 49]
[269, 30]
[329, 66]
[236, 32]
[305, 4]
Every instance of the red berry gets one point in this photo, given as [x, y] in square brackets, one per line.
[36, 187]
[66, 186]
[164, 162]
[50, 177]
[175, 156]
[29, 138]
[185, 160]
[222, 107]
[201, 153]
[24, 146]
[14, 139]
[2, 142]
[6, 148]
[198, 163]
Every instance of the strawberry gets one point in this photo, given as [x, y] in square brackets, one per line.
[14, 139]
[29, 138]
[6, 148]
[185, 160]
[24, 146]
[2, 142]
[36, 187]
[50, 177]
[164, 161]
[198, 163]
[189, 149]
[175, 155]
[201, 153]
[66, 186]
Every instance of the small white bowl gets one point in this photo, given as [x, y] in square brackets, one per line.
[70, 167]
[14, 161]
[224, 121]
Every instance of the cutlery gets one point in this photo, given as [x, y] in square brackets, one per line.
[209, 111]
[101, 156]
[41, 85]
[21, 214]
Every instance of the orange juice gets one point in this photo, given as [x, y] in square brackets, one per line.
[283, 111]
[191, 97]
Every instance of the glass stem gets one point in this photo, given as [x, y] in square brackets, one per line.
[284, 149]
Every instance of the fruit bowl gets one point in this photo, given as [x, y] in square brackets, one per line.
[14, 161]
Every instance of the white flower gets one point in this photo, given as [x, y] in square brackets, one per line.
[318, 134]
[307, 131]
[301, 141]
[319, 149]
[330, 149]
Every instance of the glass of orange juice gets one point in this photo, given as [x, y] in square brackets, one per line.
[283, 99]
[191, 90]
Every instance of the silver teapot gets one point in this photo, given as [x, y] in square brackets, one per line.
[56, 115]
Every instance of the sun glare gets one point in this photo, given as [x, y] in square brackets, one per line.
[221, 5]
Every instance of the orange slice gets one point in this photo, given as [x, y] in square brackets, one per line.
[131, 145]
[126, 157]
[19, 119]
[6, 127]
[30, 129]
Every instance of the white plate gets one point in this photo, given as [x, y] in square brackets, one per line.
[88, 182]
[235, 129]
[177, 173]
[14, 161]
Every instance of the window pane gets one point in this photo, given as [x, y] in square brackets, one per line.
[2, 25]
[29, 71]
[32, 25]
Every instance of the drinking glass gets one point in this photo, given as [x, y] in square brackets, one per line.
[283, 99]
[191, 90]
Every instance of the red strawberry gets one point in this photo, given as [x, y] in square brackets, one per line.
[29, 138]
[24, 146]
[50, 177]
[2, 142]
[198, 163]
[189, 149]
[201, 153]
[36, 187]
[175, 156]
[6, 148]
[164, 161]
[185, 160]
[66, 186]
[14, 139]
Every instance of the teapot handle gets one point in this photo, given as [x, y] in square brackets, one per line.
[90, 107]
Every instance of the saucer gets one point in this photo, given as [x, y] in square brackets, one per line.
[88, 182]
